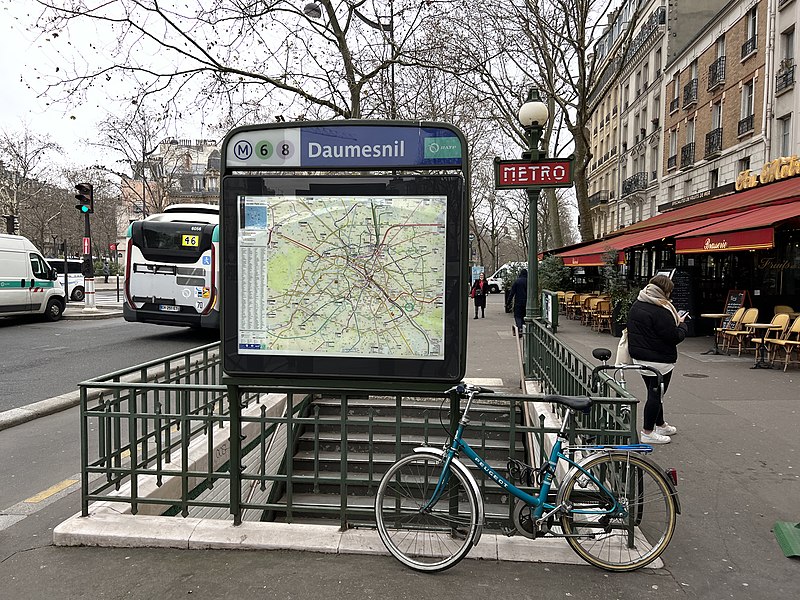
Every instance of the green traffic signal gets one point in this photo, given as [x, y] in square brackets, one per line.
[85, 197]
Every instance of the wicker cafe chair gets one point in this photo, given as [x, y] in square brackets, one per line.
[589, 307]
[732, 324]
[568, 296]
[741, 334]
[562, 306]
[770, 335]
[574, 308]
[790, 343]
[783, 308]
[603, 316]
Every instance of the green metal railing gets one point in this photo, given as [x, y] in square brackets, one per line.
[161, 437]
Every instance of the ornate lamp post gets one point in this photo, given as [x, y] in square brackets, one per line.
[533, 115]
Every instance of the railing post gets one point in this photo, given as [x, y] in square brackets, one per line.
[235, 443]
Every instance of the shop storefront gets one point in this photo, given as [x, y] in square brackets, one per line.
[745, 240]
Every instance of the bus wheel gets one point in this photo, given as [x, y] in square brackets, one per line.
[54, 310]
[78, 294]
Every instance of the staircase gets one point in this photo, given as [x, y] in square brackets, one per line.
[375, 437]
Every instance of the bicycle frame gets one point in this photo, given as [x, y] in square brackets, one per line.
[539, 503]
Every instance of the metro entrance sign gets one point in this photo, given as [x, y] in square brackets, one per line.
[523, 174]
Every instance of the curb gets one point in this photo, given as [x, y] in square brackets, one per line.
[79, 315]
[23, 414]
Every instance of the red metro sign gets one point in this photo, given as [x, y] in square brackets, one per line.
[521, 174]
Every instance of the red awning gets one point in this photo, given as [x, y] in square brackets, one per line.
[592, 255]
[751, 230]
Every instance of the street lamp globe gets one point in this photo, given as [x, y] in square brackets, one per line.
[533, 111]
[312, 10]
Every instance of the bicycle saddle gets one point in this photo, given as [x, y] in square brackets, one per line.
[602, 354]
[574, 402]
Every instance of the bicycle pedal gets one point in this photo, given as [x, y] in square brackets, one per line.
[509, 531]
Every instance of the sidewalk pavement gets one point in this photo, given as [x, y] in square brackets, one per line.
[103, 310]
[737, 458]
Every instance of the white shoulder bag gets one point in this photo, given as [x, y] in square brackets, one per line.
[623, 356]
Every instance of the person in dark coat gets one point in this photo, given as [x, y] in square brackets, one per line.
[478, 292]
[519, 295]
[654, 331]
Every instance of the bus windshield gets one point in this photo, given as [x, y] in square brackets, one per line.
[176, 242]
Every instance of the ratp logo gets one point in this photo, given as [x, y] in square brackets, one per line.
[443, 147]
[243, 150]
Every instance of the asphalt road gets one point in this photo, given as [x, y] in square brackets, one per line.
[40, 359]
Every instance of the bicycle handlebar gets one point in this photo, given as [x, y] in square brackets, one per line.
[467, 388]
[598, 368]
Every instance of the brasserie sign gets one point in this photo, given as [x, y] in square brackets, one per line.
[775, 170]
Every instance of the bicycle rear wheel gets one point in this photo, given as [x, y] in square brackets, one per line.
[638, 531]
[425, 538]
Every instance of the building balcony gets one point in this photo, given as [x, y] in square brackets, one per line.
[713, 142]
[634, 183]
[746, 125]
[690, 93]
[598, 198]
[687, 155]
[672, 161]
[784, 79]
[749, 47]
[674, 104]
[716, 73]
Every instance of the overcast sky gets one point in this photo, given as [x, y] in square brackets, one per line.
[20, 105]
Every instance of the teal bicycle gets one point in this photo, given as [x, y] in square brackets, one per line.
[615, 507]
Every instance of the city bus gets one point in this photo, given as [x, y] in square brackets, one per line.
[172, 268]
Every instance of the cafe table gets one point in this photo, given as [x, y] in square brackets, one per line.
[764, 328]
[717, 317]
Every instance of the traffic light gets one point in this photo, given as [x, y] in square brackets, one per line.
[85, 198]
[87, 267]
[12, 224]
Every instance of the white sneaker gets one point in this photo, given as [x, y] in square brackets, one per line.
[653, 438]
[666, 429]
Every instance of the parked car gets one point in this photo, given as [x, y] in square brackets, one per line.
[498, 278]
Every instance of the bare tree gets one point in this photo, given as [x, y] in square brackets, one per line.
[559, 36]
[292, 57]
[26, 178]
[146, 162]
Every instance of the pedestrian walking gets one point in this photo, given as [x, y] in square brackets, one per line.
[654, 331]
[519, 296]
[106, 271]
[478, 292]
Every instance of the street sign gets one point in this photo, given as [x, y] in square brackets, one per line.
[86, 245]
[327, 145]
[523, 174]
[112, 246]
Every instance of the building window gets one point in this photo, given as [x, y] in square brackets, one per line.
[785, 133]
[751, 29]
[747, 122]
[657, 61]
[744, 164]
[713, 179]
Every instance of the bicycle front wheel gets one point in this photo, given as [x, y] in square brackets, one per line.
[622, 512]
[422, 536]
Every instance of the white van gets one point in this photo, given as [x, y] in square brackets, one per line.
[28, 285]
[75, 283]
[496, 281]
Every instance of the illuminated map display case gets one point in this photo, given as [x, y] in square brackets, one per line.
[344, 277]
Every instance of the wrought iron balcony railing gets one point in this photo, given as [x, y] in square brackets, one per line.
[690, 93]
[716, 73]
[785, 77]
[687, 155]
[749, 47]
[672, 161]
[713, 142]
[598, 198]
[634, 183]
[746, 125]
[674, 104]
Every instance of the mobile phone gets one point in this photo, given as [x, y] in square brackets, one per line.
[684, 314]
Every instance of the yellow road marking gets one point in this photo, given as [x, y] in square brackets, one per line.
[53, 489]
